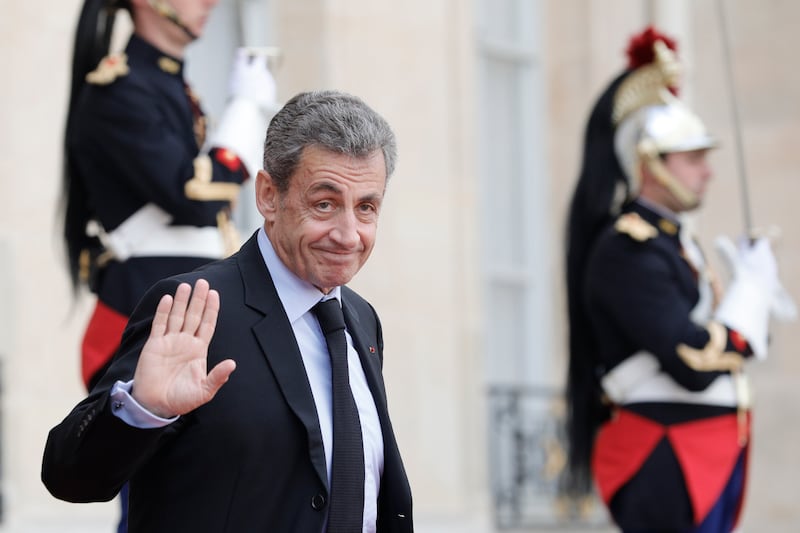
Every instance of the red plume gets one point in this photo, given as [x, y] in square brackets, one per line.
[640, 48]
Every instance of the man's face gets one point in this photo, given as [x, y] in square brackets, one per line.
[193, 14]
[323, 227]
[692, 170]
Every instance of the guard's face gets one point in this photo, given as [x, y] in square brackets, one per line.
[692, 170]
[323, 227]
[194, 14]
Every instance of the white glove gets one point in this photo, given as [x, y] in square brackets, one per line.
[758, 258]
[243, 125]
[252, 80]
[755, 291]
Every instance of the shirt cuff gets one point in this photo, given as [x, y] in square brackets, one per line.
[124, 407]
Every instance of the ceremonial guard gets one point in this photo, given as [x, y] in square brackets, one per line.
[659, 405]
[147, 194]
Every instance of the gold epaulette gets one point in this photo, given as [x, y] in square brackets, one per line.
[635, 227]
[110, 68]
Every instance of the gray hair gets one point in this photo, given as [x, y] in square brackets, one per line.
[332, 120]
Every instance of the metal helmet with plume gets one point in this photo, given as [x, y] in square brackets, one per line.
[650, 122]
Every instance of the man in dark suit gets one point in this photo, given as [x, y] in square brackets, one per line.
[259, 453]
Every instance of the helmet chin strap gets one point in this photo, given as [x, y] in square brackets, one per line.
[649, 154]
[165, 10]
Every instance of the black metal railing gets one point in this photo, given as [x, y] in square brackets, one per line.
[527, 459]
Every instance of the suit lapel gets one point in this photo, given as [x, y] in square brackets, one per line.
[370, 359]
[276, 338]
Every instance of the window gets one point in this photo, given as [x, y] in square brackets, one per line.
[517, 223]
[525, 441]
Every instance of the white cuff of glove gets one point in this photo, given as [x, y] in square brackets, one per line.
[242, 130]
[745, 308]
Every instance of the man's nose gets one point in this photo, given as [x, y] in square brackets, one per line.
[345, 231]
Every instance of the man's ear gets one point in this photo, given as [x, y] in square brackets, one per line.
[266, 195]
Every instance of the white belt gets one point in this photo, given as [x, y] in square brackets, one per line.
[147, 233]
[640, 379]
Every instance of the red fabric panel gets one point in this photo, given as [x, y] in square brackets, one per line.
[101, 339]
[738, 341]
[622, 446]
[707, 451]
[228, 158]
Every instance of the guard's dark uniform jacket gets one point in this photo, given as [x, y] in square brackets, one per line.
[678, 434]
[155, 200]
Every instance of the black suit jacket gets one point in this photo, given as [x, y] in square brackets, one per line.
[250, 460]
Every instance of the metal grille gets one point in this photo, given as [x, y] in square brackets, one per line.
[527, 458]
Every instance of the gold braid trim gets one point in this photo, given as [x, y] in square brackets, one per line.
[744, 399]
[711, 357]
[227, 230]
[200, 187]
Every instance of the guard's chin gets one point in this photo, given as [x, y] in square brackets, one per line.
[694, 205]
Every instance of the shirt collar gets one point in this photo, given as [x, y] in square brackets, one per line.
[296, 295]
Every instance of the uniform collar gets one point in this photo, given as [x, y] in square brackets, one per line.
[665, 220]
[147, 54]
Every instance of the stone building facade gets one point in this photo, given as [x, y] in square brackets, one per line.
[488, 99]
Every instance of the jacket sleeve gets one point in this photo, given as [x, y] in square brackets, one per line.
[130, 141]
[92, 452]
[635, 290]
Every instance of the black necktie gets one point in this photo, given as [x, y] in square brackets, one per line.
[347, 471]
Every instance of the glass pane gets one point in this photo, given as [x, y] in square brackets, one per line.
[502, 171]
[505, 316]
[504, 20]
